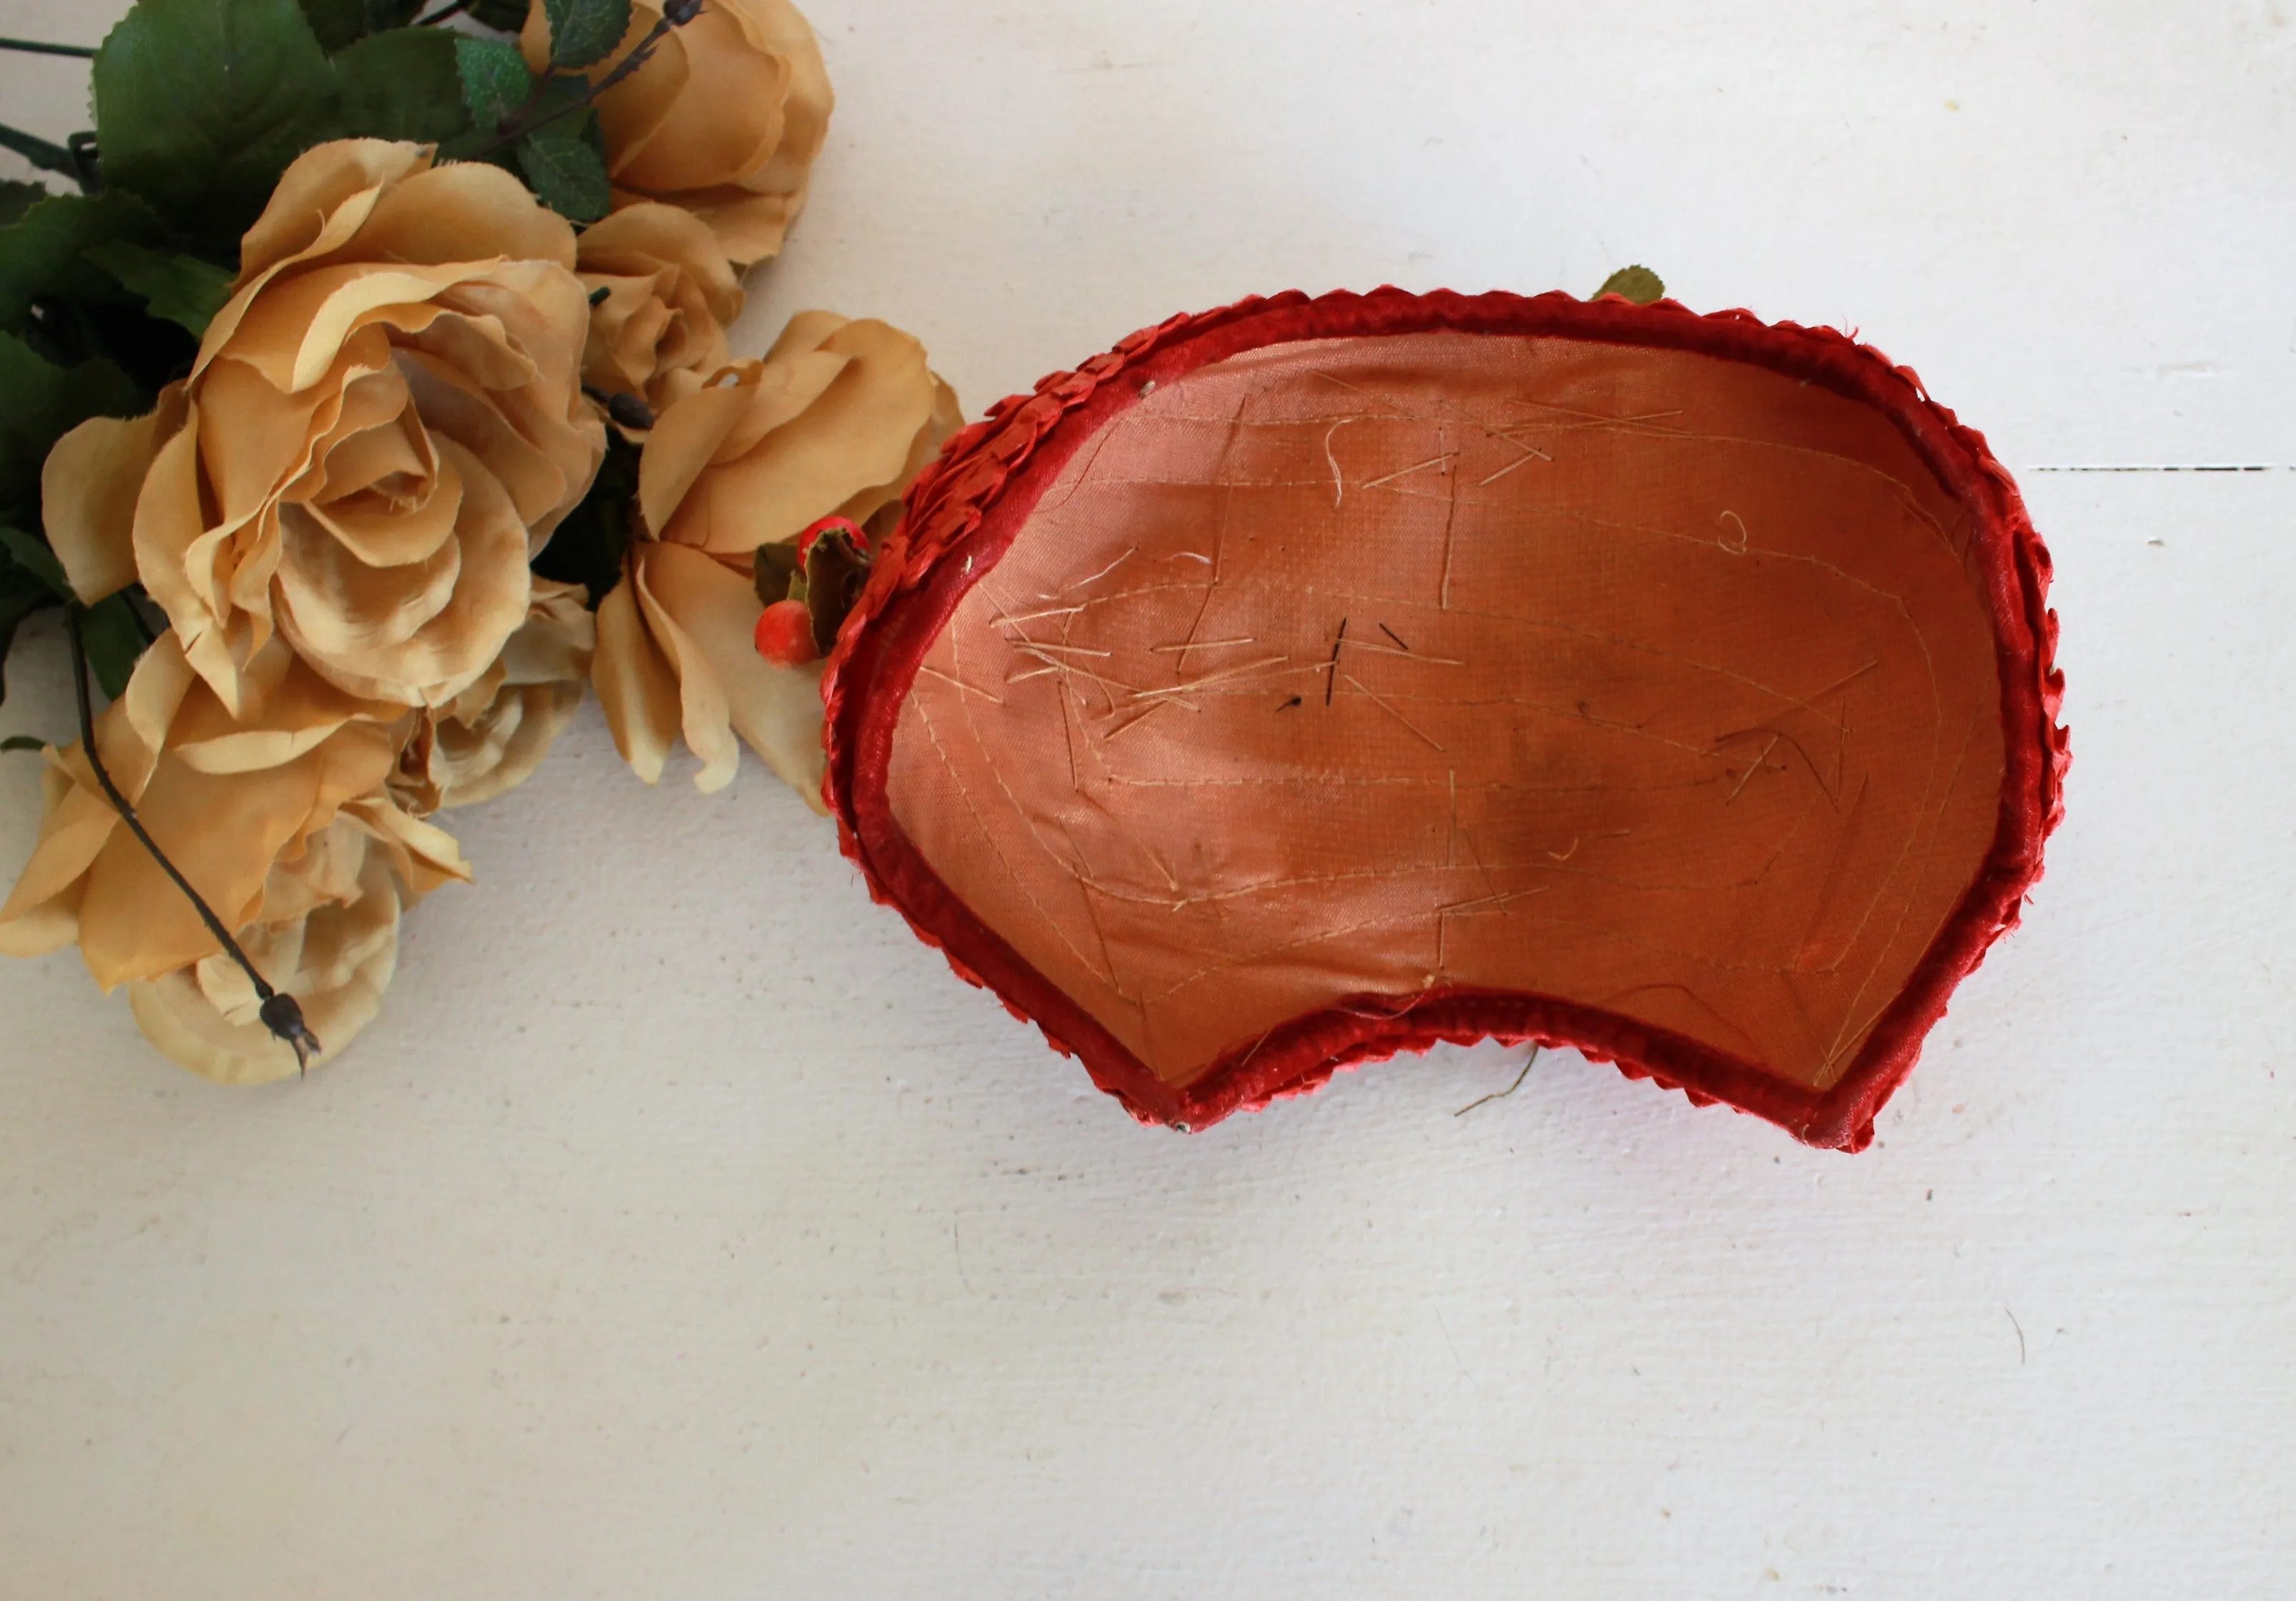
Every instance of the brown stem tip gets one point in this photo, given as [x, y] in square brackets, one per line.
[284, 1016]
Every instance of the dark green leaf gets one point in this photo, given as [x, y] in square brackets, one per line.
[592, 131]
[383, 14]
[39, 402]
[495, 80]
[335, 23]
[114, 638]
[201, 105]
[566, 173]
[97, 388]
[40, 153]
[185, 290]
[70, 310]
[504, 16]
[403, 84]
[554, 105]
[40, 251]
[113, 325]
[15, 197]
[585, 32]
[18, 741]
[563, 108]
[36, 559]
[587, 547]
[1636, 283]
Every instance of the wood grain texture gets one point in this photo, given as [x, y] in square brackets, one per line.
[682, 1230]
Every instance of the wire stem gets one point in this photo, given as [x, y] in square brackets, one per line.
[40, 153]
[86, 52]
[280, 1013]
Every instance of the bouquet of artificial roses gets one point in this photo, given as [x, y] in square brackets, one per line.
[367, 399]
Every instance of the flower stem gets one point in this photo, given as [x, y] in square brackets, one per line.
[280, 1013]
[523, 121]
[41, 47]
[40, 153]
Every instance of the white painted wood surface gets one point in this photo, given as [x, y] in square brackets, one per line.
[685, 1230]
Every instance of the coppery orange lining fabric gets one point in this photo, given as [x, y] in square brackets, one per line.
[1336, 676]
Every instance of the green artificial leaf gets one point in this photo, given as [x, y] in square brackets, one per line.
[585, 32]
[70, 310]
[405, 83]
[335, 23]
[16, 197]
[1636, 283]
[563, 111]
[504, 16]
[552, 106]
[566, 173]
[40, 403]
[113, 638]
[185, 290]
[95, 388]
[34, 557]
[201, 105]
[113, 325]
[587, 547]
[40, 251]
[383, 15]
[495, 80]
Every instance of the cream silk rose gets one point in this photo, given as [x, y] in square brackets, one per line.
[383, 425]
[836, 419]
[489, 739]
[283, 822]
[670, 294]
[724, 120]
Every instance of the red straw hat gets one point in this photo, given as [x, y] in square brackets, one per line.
[1315, 679]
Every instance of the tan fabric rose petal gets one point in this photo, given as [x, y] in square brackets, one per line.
[725, 118]
[89, 485]
[705, 715]
[836, 418]
[706, 614]
[830, 417]
[670, 294]
[336, 959]
[637, 685]
[383, 426]
[318, 204]
[493, 735]
[231, 802]
[42, 912]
